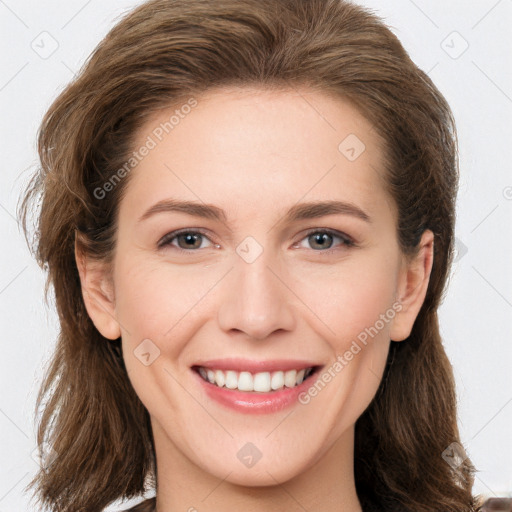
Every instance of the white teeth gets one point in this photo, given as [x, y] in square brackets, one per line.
[290, 378]
[245, 382]
[262, 382]
[231, 379]
[220, 378]
[277, 381]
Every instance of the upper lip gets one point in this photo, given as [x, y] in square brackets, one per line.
[252, 366]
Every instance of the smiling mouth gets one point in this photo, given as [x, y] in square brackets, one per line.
[260, 382]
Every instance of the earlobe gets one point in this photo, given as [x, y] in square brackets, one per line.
[412, 287]
[97, 293]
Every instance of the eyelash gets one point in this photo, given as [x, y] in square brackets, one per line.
[346, 240]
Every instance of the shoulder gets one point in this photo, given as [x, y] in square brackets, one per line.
[372, 503]
[145, 506]
[498, 505]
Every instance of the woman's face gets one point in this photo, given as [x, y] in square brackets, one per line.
[287, 257]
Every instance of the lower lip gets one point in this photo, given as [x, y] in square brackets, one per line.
[255, 402]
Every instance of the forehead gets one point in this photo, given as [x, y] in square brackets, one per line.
[257, 148]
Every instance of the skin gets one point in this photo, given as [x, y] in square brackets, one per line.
[255, 153]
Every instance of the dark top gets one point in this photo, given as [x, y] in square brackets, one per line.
[368, 504]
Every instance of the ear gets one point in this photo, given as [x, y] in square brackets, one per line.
[412, 287]
[98, 293]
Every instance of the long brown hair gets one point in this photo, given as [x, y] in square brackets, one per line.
[166, 50]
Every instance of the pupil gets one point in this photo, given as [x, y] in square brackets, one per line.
[190, 239]
[321, 238]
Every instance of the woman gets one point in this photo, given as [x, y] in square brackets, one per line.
[247, 217]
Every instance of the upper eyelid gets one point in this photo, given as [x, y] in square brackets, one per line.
[167, 238]
[173, 234]
[333, 232]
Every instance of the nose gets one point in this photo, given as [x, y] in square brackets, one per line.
[256, 300]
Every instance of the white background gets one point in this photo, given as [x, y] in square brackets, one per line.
[477, 311]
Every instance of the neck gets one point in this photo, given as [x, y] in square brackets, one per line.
[327, 484]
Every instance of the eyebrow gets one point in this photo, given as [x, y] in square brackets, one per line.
[301, 211]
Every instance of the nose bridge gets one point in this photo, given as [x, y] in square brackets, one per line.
[256, 299]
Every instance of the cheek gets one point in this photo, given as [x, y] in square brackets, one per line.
[159, 301]
[157, 305]
[148, 293]
[352, 298]
[341, 304]
[356, 305]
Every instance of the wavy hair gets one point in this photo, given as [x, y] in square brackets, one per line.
[91, 419]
